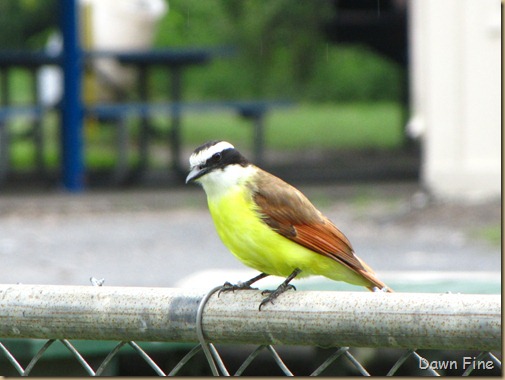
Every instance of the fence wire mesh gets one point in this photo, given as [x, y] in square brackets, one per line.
[218, 358]
[484, 361]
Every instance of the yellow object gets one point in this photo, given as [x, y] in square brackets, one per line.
[256, 245]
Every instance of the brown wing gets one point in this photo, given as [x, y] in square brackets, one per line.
[291, 214]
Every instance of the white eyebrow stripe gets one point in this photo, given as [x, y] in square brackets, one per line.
[201, 157]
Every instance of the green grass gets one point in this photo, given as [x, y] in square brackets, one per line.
[305, 126]
[492, 234]
[336, 126]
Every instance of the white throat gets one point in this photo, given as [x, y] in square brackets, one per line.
[219, 182]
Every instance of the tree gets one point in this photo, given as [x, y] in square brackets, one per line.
[26, 23]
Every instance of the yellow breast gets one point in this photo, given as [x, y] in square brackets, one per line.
[255, 244]
[246, 236]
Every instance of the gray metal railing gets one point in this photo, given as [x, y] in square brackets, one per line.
[407, 321]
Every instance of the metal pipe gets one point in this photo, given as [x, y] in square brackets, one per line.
[319, 318]
[71, 107]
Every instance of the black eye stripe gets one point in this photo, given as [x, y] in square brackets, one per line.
[224, 158]
[216, 159]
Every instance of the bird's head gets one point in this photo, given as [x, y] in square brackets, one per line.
[216, 163]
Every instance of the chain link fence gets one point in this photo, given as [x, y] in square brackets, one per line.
[361, 333]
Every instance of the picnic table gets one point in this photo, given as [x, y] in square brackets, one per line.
[173, 61]
[32, 61]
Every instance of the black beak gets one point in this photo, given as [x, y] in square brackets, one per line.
[195, 173]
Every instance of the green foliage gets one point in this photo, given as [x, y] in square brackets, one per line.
[281, 52]
[20, 86]
[354, 73]
[26, 24]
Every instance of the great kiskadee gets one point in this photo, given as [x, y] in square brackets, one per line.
[271, 226]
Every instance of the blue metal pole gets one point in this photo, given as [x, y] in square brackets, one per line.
[71, 111]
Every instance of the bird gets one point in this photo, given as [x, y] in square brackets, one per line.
[270, 225]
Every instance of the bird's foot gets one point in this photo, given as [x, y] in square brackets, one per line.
[273, 294]
[229, 287]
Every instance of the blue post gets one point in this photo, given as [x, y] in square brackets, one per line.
[71, 111]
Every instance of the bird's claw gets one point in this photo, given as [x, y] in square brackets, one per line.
[273, 294]
[229, 287]
[287, 287]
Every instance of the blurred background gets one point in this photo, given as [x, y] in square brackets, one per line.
[367, 89]
[328, 90]
[386, 113]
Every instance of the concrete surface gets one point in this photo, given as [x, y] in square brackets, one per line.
[159, 237]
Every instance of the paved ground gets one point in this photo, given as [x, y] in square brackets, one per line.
[159, 237]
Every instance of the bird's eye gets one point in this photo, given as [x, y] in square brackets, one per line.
[216, 157]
